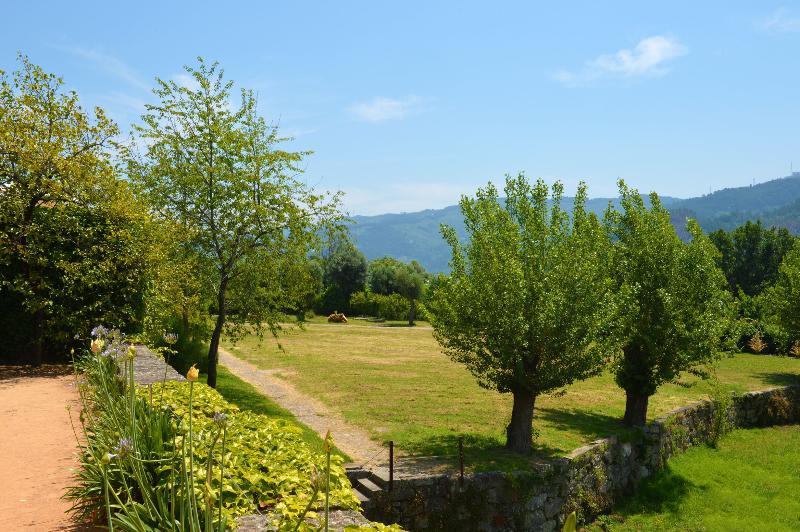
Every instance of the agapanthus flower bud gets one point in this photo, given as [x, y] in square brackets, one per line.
[124, 446]
[97, 345]
[193, 374]
[220, 418]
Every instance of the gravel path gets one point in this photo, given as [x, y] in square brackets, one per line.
[353, 441]
[37, 447]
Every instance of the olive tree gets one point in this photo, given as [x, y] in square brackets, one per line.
[216, 168]
[528, 305]
[674, 303]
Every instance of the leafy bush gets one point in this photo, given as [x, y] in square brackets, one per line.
[775, 339]
[391, 307]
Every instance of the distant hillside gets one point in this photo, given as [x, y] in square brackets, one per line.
[416, 235]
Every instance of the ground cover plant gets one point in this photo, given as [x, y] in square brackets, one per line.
[177, 456]
[246, 397]
[397, 384]
[749, 482]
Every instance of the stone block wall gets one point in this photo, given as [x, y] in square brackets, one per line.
[589, 480]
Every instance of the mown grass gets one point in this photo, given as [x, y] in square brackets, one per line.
[246, 397]
[397, 384]
[750, 482]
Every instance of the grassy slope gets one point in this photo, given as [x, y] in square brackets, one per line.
[750, 483]
[396, 383]
[246, 397]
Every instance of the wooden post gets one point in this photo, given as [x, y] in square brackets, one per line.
[461, 460]
[391, 465]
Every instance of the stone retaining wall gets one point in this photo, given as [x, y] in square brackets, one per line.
[588, 481]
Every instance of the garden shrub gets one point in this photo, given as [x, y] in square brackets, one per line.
[774, 337]
[387, 307]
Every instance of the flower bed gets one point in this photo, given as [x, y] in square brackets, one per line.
[177, 456]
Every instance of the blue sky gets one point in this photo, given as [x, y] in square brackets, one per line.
[408, 105]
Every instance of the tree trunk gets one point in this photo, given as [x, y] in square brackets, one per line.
[411, 312]
[213, 349]
[635, 409]
[519, 432]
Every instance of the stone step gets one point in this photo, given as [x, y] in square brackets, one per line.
[363, 499]
[379, 476]
[367, 487]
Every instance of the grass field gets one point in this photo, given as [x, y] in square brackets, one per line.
[395, 383]
[749, 483]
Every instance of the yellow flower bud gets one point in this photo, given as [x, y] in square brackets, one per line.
[193, 373]
[327, 445]
[131, 352]
[97, 345]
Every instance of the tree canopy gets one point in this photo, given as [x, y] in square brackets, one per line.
[528, 305]
[216, 169]
[675, 306]
[751, 254]
[60, 203]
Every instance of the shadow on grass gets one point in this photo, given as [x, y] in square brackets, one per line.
[488, 453]
[481, 452]
[660, 493]
[781, 379]
[590, 425]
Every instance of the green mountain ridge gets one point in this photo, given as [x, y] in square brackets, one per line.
[416, 235]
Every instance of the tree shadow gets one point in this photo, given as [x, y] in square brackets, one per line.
[13, 373]
[590, 425]
[663, 492]
[780, 378]
[481, 452]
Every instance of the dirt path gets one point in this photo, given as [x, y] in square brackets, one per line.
[353, 441]
[37, 447]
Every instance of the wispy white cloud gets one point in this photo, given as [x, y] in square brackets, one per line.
[649, 58]
[111, 64]
[185, 80]
[781, 20]
[408, 196]
[381, 109]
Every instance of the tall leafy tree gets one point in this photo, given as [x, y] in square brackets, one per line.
[216, 167]
[528, 305]
[345, 272]
[382, 275]
[782, 300]
[676, 306]
[53, 155]
[751, 254]
[410, 283]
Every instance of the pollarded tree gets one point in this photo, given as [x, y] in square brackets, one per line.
[216, 169]
[528, 305]
[674, 302]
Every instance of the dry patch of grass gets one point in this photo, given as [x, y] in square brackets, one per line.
[396, 383]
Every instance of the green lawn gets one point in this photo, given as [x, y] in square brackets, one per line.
[243, 395]
[749, 483]
[395, 383]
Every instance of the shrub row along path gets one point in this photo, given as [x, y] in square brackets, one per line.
[37, 447]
